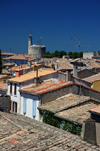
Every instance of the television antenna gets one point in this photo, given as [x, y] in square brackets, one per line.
[39, 41]
[79, 39]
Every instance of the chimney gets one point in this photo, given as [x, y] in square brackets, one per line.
[35, 68]
[21, 65]
[68, 78]
[53, 66]
[30, 64]
[75, 71]
[23, 71]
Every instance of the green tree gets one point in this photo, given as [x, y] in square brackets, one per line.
[80, 54]
[47, 55]
[55, 54]
[0, 63]
[48, 118]
[62, 53]
[75, 55]
[70, 54]
[70, 127]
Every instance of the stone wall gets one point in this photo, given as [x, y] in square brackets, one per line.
[85, 73]
[83, 82]
[86, 91]
[71, 88]
[53, 95]
[5, 103]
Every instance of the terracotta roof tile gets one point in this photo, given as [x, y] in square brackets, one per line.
[95, 110]
[63, 103]
[46, 87]
[32, 75]
[17, 57]
[3, 86]
[77, 114]
[92, 78]
[36, 135]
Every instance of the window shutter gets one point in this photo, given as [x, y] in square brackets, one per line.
[24, 105]
[10, 88]
[34, 108]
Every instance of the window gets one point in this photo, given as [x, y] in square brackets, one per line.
[14, 107]
[24, 105]
[10, 88]
[34, 108]
[15, 89]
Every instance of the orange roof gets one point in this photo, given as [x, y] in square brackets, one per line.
[17, 57]
[24, 66]
[3, 86]
[46, 87]
[32, 75]
[96, 109]
[6, 53]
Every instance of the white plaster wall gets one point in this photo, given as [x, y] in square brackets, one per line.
[29, 108]
[30, 98]
[88, 55]
[8, 90]
[15, 98]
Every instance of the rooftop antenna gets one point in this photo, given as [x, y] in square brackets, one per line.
[79, 39]
[39, 41]
[10, 50]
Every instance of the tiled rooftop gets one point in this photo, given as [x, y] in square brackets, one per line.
[46, 87]
[22, 133]
[5, 71]
[17, 57]
[3, 86]
[26, 67]
[3, 76]
[77, 114]
[9, 64]
[72, 107]
[18, 67]
[62, 64]
[64, 103]
[5, 53]
[92, 78]
[32, 75]
[95, 110]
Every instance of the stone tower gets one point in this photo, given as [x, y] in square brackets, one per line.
[35, 51]
[30, 40]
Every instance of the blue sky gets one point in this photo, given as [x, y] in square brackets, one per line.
[56, 21]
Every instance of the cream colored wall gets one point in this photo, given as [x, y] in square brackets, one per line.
[96, 85]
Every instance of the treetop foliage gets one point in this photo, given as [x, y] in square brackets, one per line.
[60, 54]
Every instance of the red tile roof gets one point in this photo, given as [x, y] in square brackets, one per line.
[46, 87]
[17, 57]
[3, 86]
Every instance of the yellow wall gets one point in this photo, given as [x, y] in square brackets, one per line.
[96, 85]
